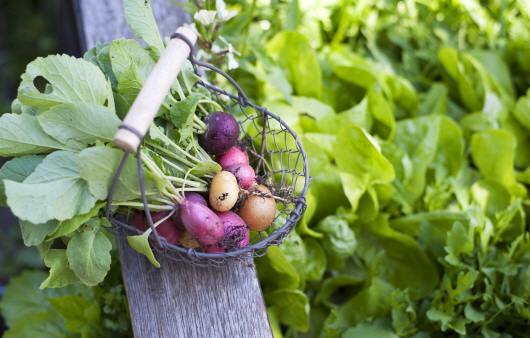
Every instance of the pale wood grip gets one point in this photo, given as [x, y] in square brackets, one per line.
[154, 91]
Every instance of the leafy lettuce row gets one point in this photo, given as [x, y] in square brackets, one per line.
[417, 210]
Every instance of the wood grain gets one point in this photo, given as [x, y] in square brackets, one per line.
[103, 20]
[177, 300]
[180, 300]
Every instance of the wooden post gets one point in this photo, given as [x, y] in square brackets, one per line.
[177, 300]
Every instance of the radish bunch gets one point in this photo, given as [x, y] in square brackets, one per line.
[235, 203]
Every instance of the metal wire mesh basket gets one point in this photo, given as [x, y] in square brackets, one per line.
[278, 158]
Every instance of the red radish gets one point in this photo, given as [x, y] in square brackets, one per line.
[202, 223]
[138, 221]
[221, 135]
[232, 156]
[192, 197]
[166, 229]
[244, 174]
[214, 248]
[236, 231]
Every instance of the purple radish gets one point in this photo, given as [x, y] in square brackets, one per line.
[221, 135]
[202, 223]
[236, 231]
[244, 174]
[232, 156]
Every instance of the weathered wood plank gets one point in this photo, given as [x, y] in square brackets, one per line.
[103, 20]
[177, 300]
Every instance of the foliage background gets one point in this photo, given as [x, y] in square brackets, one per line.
[416, 119]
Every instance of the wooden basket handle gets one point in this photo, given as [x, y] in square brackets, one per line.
[153, 93]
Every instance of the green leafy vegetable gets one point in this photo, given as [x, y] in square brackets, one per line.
[55, 190]
[72, 80]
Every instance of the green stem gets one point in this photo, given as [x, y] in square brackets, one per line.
[179, 91]
[213, 103]
[179, 169]
[170, 154]
[204, 111]
[140, 206]
[162, 200]
[154, 168]
[174, 145]
[203, 189]
[184, 181]
[199, 122]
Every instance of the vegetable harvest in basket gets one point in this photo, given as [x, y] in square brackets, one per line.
[65, 161]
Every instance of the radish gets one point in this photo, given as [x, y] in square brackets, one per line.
[232, 156]
[224, 191]
[244, 174]
[167, 229]
[192, 197]
[236, 231]
[202, 223]
[221, 135]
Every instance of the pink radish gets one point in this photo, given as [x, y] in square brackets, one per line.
[232, 156]
[244, 174]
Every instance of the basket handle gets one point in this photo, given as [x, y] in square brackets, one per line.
[154, 91]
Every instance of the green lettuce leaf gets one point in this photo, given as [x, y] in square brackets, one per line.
[360, 162]
[293, 51]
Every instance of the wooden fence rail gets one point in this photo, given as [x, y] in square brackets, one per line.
[177, 300]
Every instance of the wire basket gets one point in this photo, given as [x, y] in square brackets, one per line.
[277, 157]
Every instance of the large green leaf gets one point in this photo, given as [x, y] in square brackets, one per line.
[493, 153]
[34, 234]
[98, 166]
[60, 272]
[42, 325]
[292, 306]
[55, 190]
[70, 225]
[23, 135]
[140, 17]
[88, 255]
[80, 314]
[129, 53]
[72, 80]
[276, 272]
[17, 170]
[398, 257]
[81, 122]
[24, 299]
[293, 51]
[360, 162]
